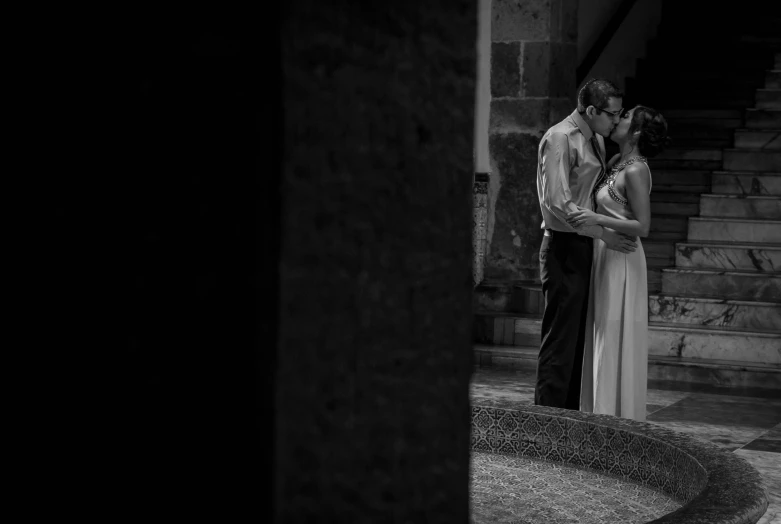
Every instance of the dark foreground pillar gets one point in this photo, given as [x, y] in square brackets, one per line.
[374, 354]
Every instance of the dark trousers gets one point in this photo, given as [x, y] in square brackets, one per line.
[565, 271]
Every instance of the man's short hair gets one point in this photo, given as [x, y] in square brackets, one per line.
[596, 92]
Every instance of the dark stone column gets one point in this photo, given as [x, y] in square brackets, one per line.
[372, 408]
[533, 62]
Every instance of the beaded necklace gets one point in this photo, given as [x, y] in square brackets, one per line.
[610, 180]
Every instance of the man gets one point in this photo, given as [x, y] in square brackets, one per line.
[570, 160]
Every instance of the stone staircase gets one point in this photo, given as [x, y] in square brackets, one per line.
[714, 251]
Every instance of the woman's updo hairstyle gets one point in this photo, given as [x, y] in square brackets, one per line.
[653, 131]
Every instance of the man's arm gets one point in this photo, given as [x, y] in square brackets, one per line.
[557, 197]
[556, 194]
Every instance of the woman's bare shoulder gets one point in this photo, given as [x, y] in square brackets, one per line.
[637, 173]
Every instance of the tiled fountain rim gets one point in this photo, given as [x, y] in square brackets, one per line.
[715, 486]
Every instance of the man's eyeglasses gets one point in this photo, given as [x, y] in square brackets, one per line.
[621, 112]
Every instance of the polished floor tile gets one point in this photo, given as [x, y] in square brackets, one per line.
[761, 444]
[773, 434]
[652, 408]
[744, 412]
[660, 397]
[730, 438]
[769, 466]
[769, 440]
[772, 515]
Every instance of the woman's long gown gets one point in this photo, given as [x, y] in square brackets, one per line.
[615, 359]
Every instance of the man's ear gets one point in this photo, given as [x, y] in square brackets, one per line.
[590, 111]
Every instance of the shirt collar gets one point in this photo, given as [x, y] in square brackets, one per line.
[582, 125]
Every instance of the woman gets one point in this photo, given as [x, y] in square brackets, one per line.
[615, 361]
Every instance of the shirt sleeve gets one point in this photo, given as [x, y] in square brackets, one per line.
[556, 194]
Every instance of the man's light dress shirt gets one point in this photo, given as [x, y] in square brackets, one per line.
[567, 170]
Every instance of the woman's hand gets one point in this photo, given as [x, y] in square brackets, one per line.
[582, 217]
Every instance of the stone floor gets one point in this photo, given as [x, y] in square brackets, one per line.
[748, 426]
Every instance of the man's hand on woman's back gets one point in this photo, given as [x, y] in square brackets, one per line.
[618, 241]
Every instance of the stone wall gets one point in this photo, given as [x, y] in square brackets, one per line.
[533, 63]
[375, 357]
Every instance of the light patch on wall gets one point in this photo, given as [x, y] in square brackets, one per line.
[516, 239]
[494, 186]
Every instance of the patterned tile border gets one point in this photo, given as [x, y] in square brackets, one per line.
[513, 489]
[479, 221]
[713, 485]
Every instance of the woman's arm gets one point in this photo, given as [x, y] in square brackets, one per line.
[637, 181]
[638, 185]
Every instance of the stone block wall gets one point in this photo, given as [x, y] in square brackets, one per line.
[533, 63]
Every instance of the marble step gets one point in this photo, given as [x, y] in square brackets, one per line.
[768, 99]
[525, 297]
[706, 101]
[731, 284]
[674, 208]
[714, 376]
[507, 297]
[507, 329]
[669, 223]
[654, 278]
[675, 177]
[650, 66]
[724, 97]
[752, 160]
[745, 183]
[669, 373]
[659, 262]
[753, 18]
[698, 311]
[664, 50]
[697, 74]
[685, 158]
[713, 343]
[681, 195]
[669, 181]
[666, 236]
[695, 124]
[506, 357]
[694, 164]
[763, 118]
[659, 248]
[699, 132]
[758, 139]
[664, 339]
[690, 154]
[734, 230]
[728, 256]
[692, 190]
[715, 205]
[706, 68]
[702, 115]
[773, 77]
[696, 143]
